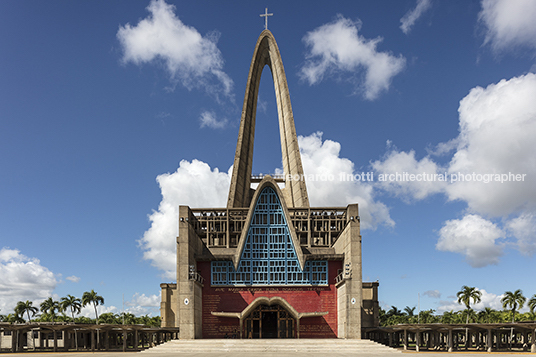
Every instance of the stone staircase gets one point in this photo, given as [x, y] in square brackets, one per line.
[325, 346]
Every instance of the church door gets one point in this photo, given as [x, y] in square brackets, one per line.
[269, 322]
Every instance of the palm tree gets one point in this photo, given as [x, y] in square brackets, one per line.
[72, 303]
[488, 315]
[409, 310]
[513, 300]
[91, 298]
[394, 311]
[13, 318]
[26, 307]
[466, 295]
[532, 303]
[49, 307]
[75, 305]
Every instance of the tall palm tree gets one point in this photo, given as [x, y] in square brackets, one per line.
[513, 300]
[75, 305]
[26, 307]
[91, 298]
[72, 303]
[49, 306]
[466, 295]
[532, 303]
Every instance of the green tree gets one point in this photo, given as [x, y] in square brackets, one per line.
[513, 300]
[72, 303]
[13, 318]
[75, 305]
[91, 298]
[428, 317]
[129, 318]
[410, 311]
[26, 307]
[394, 311]
[49, 307]
[532, 303]
[109, 318]
[489, 315]
[466, 295]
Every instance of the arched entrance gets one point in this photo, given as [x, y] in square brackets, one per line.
[269, 321]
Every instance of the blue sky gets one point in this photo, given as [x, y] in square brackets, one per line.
[113, 113]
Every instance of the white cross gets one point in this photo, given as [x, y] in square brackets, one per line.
[265, 15]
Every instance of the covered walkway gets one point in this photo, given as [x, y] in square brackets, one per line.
[60, 336]
[519, 336]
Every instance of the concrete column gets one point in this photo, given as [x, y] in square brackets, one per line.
[124, 341]
[55, 341]
[450, 341]
[106, 340]
[405, 340]
[136, 340]
[92, 340]
[533, 342]
[417, 341]
[489, 341]
[14, 341]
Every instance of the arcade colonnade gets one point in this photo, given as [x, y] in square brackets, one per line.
[520, 336]
[81, 337]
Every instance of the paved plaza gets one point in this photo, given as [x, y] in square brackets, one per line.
[273, 354]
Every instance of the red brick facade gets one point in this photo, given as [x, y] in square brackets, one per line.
[303, 299]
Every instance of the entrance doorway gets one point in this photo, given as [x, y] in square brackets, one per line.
[270, 322]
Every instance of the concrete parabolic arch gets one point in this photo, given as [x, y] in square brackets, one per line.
[295, 192]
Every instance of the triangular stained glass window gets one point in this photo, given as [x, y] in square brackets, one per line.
[269, 256]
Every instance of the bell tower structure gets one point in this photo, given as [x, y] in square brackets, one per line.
[267, 54]
[269, 265]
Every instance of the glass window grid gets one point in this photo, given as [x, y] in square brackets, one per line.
[269, 256]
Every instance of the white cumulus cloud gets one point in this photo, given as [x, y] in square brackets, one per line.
[194, 184]
[474, 237]
[409, 19]
[509, 23]
[23, 278]
[434, 294]
[337, 47]
[141, 304]
[73, 279]
[524, 229]
[497, 131]
[209, 120]
[189, 58]
[321, 162]
[492, 169]
[396, 167]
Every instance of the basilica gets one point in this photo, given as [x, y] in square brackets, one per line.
[268, 265]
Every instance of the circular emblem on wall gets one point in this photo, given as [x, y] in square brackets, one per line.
[353, 301]
[186, 301]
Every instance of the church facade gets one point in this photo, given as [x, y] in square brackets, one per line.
[268, 265]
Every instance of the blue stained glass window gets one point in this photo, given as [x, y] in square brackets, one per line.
[269, 256]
